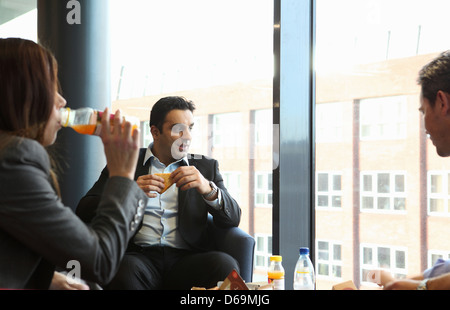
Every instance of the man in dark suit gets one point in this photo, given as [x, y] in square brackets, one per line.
[170, 250]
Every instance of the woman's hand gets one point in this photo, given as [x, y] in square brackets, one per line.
[121, 145]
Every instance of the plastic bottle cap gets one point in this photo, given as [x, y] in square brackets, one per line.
[304, 251]
[276, 258]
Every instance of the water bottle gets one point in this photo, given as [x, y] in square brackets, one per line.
[88, 121]
[304, 278]
[276, 273]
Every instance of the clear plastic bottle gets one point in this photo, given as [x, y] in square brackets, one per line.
[88, 121]
[276, 272]
[304, 277]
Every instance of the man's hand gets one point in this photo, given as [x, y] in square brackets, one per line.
[187, 177]
[60, 282]
[150, 184]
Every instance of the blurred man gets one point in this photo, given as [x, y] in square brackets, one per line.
[434, 79]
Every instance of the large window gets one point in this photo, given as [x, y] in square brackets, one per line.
[394, 190]
[219, 54]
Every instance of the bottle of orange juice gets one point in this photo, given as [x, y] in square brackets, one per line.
[275, 273]
[88, 121]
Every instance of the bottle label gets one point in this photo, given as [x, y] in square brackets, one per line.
[278, 284]
[98, 129]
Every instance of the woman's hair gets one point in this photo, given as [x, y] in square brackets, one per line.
[28, 86]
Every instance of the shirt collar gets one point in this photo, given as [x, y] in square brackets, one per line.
[149, 155]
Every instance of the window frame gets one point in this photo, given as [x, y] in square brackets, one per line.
[331, 262]
[375, 266]
[375, 194]
[444, 195]
[329, 193]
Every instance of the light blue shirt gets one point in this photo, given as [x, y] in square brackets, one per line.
[439, 268]
[159, 226]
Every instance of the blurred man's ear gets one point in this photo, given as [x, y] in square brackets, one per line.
[443, 102]
[154, 131]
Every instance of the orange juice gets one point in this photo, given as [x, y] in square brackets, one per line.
[85, 129]
[92, 129]
[87, 121]
[275, 274]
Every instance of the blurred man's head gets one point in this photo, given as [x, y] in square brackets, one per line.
[434, 79]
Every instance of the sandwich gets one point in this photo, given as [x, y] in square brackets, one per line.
[167, 180]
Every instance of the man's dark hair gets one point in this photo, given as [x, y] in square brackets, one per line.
[435, 76]
[165, 105]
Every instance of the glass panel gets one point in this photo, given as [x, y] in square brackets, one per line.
[448, 183]
[336, 201]
[367, 203]
[336, 252]
[219, 54]
[337, 271]
[322, 182]
[399, 204]
[384, 257]
[437, 205]
[367, 256]
[322, 201]
[383, 203]
[323, 250]
[336, 182]
[399, 183]
[383, 183]
[400, 260]
[436, 184]
[391, 172]
[322, 269]
[260, 244]
[367, 183]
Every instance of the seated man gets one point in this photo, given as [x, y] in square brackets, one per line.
[171, 250]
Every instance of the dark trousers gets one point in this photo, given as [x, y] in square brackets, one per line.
[153, 268]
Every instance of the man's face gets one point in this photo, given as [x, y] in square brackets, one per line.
[436, 125]
[175, 137]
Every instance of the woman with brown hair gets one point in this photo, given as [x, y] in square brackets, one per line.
[37, 232]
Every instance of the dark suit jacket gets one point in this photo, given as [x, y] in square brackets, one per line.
[193, 210]
[38, 232]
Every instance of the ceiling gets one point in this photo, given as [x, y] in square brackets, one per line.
[10, 9]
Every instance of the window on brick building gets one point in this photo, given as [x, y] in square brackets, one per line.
[329, 190]
[388, 258]
[439, 193]
[383, 191]
[329, 259]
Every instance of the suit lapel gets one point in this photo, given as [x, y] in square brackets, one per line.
[141, 169]
[183, 195]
